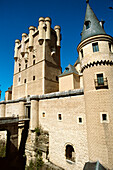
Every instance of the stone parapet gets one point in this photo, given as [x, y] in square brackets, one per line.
[58, 94]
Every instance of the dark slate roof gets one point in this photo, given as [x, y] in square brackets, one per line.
[93, 166]
[68, 70]
[95, 27]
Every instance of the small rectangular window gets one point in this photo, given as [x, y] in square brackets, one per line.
[104, 117]
[43, 114]
[24, 80]
[33, 77]
[59, 116]
[95, 47]
[80, 120]
[26, 66]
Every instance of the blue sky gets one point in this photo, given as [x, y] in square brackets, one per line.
[17, 16]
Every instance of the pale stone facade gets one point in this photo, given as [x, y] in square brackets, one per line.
[75, 108]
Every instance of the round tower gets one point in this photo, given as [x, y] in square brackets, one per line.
[96, 58]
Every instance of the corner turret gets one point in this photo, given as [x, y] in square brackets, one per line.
[96, 60]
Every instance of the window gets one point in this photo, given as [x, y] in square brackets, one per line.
[101, 82]
[66, 69]
[95, 47]
[87, 24]
[25, 66]
[33, 77]
[70, 154]
[19, 69]
[43, 115]
[19, 79]
[33, 62]
[104, 117]
[79, 120]
[110, 47]
[24, 80]
[59, 116]
[82, 55]
[56, 78]
[33, 56]
[100, 79]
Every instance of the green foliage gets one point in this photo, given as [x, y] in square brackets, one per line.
[2, 149]
[37, 130]
[37, 164]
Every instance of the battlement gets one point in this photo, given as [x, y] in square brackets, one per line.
[43, 31]
[37, 60]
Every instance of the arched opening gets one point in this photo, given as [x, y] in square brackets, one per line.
[70, 153]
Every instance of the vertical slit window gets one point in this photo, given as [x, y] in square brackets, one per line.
[110, 47]
[82, 55]
[33, 62]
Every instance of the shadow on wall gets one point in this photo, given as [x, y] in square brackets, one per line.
[15, 158]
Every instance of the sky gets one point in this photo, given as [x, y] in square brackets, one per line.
[17, 16]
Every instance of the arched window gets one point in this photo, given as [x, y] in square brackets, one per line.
[70, 153]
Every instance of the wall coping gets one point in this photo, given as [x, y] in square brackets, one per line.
[47, 96]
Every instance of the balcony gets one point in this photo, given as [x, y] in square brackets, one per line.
[101, 83]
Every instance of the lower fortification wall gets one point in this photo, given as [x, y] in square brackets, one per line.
[65, 131]
[63, 118]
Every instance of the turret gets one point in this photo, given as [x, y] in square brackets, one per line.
[16, 49]
[57, 30]
[23, 43]
[96, 60]
[41, 29]
[48, 28]
[31, 31]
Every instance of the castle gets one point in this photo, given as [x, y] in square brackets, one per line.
[74, 107]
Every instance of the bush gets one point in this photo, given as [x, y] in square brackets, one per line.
[37, 130]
